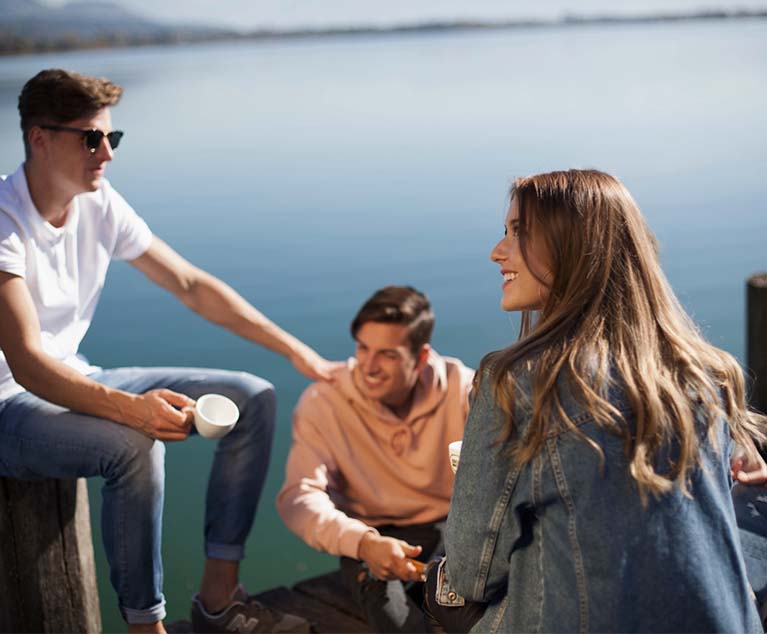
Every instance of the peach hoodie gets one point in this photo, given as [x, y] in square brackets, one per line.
[354, 465]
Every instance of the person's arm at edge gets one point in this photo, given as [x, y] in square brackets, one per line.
[153, 413]
[747, 465]
[466, 539]
[220, 304]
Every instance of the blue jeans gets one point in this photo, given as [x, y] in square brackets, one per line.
[42, 440]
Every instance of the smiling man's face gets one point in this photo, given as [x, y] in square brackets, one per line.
[387, 370]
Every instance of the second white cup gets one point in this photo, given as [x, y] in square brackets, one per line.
[454, 450]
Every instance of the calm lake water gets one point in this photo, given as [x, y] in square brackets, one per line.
[309, 173]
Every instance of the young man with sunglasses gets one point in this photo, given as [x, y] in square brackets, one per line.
[61, 223]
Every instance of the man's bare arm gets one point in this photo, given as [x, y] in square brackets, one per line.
[153, 413]
[220, 304]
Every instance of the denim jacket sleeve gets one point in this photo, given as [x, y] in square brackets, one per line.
[488, 503]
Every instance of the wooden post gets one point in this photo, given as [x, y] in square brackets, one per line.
[756, 338]
[47, 574]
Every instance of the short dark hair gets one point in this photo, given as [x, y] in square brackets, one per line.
[399, 305]
[58, 96]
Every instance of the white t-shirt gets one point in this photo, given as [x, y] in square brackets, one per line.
[64, 267]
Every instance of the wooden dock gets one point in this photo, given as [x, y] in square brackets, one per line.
[323, 601]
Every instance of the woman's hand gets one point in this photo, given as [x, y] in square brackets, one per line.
[745, 471]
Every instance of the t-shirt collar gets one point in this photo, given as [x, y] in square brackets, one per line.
[42, 228]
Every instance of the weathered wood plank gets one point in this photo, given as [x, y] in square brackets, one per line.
[330, 590]
[9, 582]
[756, 338]
[324, 617]
[46, 558]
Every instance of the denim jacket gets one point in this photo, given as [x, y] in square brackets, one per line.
[563, 543]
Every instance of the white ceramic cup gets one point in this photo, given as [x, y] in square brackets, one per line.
[215, 415]
[454, 450]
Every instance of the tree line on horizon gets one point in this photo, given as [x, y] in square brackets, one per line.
[32, 34]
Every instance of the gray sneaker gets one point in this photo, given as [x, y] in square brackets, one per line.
[244, 615]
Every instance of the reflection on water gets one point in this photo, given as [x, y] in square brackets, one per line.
[309, 173]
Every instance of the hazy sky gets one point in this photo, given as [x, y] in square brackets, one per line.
[248, 14]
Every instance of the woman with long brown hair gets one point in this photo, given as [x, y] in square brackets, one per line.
[593, 491]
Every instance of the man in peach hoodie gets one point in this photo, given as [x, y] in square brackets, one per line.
[368, 476]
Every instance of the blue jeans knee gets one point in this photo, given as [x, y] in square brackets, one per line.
[257, 402]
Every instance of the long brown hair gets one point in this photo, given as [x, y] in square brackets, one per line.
[611, 312]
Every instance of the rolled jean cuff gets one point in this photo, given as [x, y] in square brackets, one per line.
[227, 552]
[144, 617]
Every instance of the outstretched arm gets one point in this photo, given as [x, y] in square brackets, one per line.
[220, 304]
[154, 413]
[482, 528]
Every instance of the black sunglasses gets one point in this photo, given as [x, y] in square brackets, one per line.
[92, 138]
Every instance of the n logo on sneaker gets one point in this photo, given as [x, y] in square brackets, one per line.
[240, 624]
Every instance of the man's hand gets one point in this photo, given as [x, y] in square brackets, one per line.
[161, 414]
[387, 558]
[312, 365]
[754, 472]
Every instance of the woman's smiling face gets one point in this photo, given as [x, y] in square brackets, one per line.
[521, 289]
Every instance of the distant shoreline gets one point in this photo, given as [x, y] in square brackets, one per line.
[13, 42]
